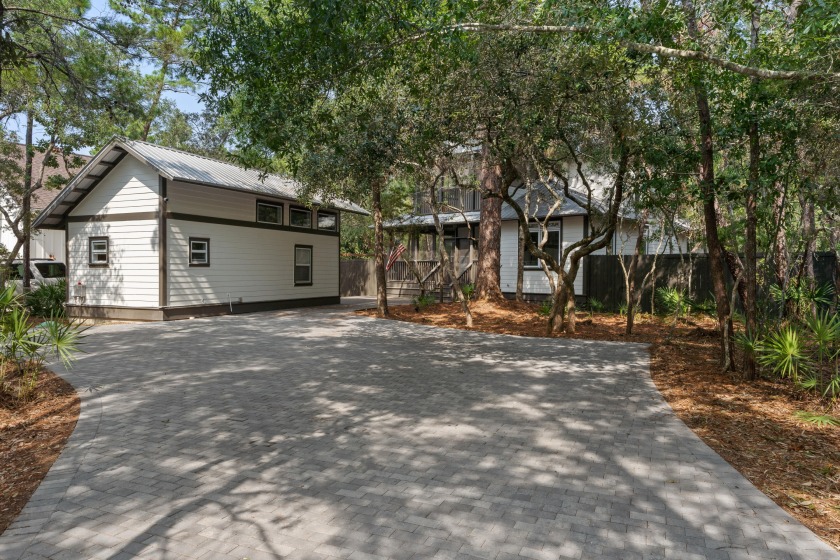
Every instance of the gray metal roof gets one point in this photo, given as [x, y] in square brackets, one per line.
[542, 199]
[175, 165]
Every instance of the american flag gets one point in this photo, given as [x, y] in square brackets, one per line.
[395, 254]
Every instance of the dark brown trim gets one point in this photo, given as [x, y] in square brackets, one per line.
[112, 312]
[127, 217]
[171, 313]
[242, 223]
[107, 241]
[97, 179]
[279, 205]
[189, 251]
[163, 249]
[311, 264]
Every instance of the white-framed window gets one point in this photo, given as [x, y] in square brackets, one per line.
[268, 213]
[303, 265]
[98, 254]
[199, 251]
[327, 221]
[300, 217]
[552, 247]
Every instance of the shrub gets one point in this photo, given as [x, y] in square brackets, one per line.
[48, 300]
[672, 301]
[25, 348]
[468, 290]
[423, 301]
[595, 305]
[545, 308]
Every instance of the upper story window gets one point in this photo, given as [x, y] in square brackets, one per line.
[300, 217]
[269, 213]
[327, 221]
[98, 251]
[552, 247]
[199, 251]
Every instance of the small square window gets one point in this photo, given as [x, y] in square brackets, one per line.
[98, 251]
[303, 265]
[552, 247]
[199, 251]
[300, 217]
[269, 213]
[327, 221]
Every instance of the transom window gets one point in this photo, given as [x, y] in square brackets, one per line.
[303, 265]
[300, 217]
[98, 251]
[327, 221]
[269, 213]
[199, 251]
[552, 247]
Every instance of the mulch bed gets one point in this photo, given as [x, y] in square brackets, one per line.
[752, 426]
[32, 435]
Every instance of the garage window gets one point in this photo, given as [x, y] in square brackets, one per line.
[199, 251]
[98, 251]
[303, 265]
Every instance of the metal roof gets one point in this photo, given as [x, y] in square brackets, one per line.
[409, 220]
[542, 199]
[175, 165]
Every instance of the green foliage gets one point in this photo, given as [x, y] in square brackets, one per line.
[783, 352]
[423, 301]
[595, 305]
[25, 348]
[468, 290]
[802, 296]
[545, 308]
[672, 301]
[818, 419]
[706, 307]
[48, 300]
[622, 310]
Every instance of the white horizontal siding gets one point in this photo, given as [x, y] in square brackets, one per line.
[131, 279]
[48, 243]
[131, 186]
[534, 281]
[249, 263]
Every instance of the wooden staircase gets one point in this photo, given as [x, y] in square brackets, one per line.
[403, 282]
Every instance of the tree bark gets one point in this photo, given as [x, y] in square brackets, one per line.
[379, 250]
[630, 296]
[706, 179]
[26, 206]
[446, 262]
[488, 267]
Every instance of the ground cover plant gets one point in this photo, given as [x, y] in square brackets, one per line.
[773, 431]
[38, 410]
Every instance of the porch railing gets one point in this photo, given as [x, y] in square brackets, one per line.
[431, 273]
[451, 200]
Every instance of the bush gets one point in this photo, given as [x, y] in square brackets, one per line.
[545, 308]
[672, 301]
[24, 347]
[424, 301]
[48, 300]
[595, 305]
[468, 290]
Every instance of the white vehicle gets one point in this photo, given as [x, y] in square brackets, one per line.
[44, 271]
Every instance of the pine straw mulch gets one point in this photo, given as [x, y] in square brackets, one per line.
[32, 435]
[752, 426]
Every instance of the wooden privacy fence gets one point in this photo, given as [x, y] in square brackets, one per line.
[604, 279]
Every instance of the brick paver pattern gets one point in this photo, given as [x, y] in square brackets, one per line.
[320, 434]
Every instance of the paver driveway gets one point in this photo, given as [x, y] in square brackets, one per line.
[318, 434]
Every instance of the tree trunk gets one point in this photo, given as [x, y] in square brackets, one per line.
[26, 206]
[751, 241]
[630, 295]
[781, 266]
[834, 240]
[488, 268]
[707, 188]
[379, 250]
[447, 263]
[809, 229]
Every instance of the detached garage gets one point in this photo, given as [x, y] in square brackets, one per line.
[155, 233]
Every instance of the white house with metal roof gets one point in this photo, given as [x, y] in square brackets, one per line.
[566, 224]
[154, 233]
